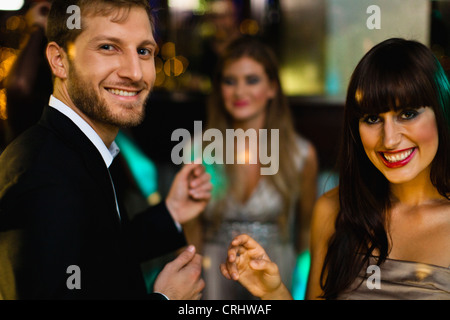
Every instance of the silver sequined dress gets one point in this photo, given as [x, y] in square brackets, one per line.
[257, 217]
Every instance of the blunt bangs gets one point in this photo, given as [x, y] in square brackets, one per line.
[394, 80]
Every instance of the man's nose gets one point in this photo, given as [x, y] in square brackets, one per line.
[131, 67]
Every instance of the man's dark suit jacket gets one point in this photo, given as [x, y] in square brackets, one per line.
[57, 209]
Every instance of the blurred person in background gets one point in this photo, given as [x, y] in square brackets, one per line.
[29, 82]
[275, 209]
[223, 19]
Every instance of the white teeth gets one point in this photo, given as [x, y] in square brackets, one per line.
[123, 92]
[398, 156]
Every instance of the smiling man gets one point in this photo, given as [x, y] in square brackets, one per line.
[106, 73]
[59, 210]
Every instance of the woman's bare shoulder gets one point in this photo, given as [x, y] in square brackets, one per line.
[325, 212]
[327, 206]
[322, 228]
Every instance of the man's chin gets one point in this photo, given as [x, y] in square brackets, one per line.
[130, 119]
[130, 123]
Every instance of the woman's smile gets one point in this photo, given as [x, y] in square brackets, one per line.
[396, 159]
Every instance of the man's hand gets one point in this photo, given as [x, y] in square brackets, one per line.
[181, 278]
[189, 193]
[248, 263]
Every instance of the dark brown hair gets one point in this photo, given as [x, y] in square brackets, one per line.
[58, 31]
[393, 75]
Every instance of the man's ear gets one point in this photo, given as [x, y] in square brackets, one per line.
[57, 59]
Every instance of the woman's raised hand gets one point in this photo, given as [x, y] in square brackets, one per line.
[248, 263]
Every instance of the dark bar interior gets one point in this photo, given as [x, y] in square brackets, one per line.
[317, 43]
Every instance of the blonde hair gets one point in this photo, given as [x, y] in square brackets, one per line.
[278, 116]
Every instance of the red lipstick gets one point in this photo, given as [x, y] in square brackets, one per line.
[240, 103]
[389, 158]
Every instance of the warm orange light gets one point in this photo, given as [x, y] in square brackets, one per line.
[358, 95]
[13, 23]
[7, 58]
[249, 26]
[184, 61]
[168, 50]
[160, 78]
[173, 67]
[158, 64]
[3, 113]
[71, 51]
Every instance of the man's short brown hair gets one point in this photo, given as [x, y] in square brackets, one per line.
[58, 31]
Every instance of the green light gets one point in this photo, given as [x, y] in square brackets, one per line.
[300, 276]
[443, 85]
[216, 171]
[142, 168]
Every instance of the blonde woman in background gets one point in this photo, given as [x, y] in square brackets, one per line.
[275, 209]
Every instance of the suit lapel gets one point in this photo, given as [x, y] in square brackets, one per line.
[67, 131]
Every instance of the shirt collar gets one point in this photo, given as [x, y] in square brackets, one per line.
[108, 154]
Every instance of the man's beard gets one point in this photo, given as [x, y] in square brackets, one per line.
[96, 108]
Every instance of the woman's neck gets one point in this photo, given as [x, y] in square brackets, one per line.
[415, 192]
[255, 123]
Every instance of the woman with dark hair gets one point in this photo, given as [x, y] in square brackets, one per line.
[247, 96]
[384, 233]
